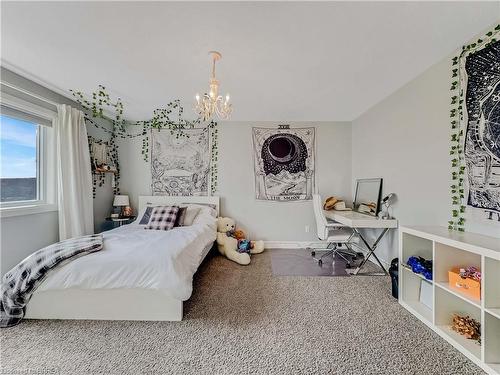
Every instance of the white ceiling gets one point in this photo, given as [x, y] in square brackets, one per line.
[295, 61]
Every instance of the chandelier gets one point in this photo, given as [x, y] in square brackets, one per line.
[212, 103]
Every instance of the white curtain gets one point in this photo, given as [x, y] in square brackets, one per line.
[76, 212]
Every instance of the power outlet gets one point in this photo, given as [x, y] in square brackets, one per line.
[307, 228]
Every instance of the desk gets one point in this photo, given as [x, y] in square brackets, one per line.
[356, 221]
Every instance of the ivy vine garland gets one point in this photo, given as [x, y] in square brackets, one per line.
[458, 166]
[99, 177]
[99, 104]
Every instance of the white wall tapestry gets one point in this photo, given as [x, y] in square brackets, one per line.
[284, 163]
[180, 163]
[476, 135]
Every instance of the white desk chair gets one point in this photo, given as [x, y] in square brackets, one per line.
[333, 233]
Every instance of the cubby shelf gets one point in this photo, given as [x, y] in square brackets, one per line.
[470, 346]
[465, 297]
[493, 311]
[449, 249]
[420, 310]
[494, 366]
[405, 267]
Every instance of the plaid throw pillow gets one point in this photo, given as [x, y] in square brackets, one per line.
[162, 218]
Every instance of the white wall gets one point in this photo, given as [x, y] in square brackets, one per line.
[405, 139]
[275, 221]
[22, 235]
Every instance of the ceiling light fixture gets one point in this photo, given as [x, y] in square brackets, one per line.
[212, 103]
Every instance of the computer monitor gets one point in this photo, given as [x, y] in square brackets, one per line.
[368, 195]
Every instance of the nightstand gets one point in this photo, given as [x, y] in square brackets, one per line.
[121, 220]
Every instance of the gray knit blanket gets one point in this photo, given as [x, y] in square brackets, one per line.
[21, 281]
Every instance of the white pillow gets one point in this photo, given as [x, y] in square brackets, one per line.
[191, 213]
[205, 217]
[205, 208]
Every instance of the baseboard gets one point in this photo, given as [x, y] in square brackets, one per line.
[315, 245]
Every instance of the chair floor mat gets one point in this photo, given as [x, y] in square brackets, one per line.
[299, 262]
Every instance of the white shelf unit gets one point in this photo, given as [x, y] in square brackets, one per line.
[449, 249]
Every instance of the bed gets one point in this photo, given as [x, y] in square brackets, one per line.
[139, 275]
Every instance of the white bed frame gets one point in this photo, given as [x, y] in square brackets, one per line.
[114, 304]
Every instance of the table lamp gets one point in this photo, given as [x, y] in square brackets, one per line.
[121, 201]
[388, 201]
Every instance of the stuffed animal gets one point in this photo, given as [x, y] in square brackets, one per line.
[233, 245]
[236, 233]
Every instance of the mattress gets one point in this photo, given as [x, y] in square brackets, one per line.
[134, 257]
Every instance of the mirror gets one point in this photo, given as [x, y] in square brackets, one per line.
[367, 197]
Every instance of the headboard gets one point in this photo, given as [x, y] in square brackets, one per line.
[157, 200]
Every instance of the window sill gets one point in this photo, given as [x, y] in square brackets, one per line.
[27, 210]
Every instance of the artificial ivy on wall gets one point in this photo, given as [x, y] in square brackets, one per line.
[458, 104]
[171, 117]
[99, 176]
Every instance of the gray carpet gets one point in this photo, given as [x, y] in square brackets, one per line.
[242, 320]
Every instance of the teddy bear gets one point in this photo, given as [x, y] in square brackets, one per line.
[232, 243]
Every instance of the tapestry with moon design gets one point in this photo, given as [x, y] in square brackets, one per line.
[284, 163]
[180, 163]
[481, 127]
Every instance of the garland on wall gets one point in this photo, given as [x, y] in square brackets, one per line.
[99, 105]
[457, 117]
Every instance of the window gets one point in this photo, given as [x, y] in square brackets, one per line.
[27, 158]
[19, 160]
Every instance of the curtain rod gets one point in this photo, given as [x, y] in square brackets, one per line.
[48, 101]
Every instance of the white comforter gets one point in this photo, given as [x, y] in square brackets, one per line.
[133, 257]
